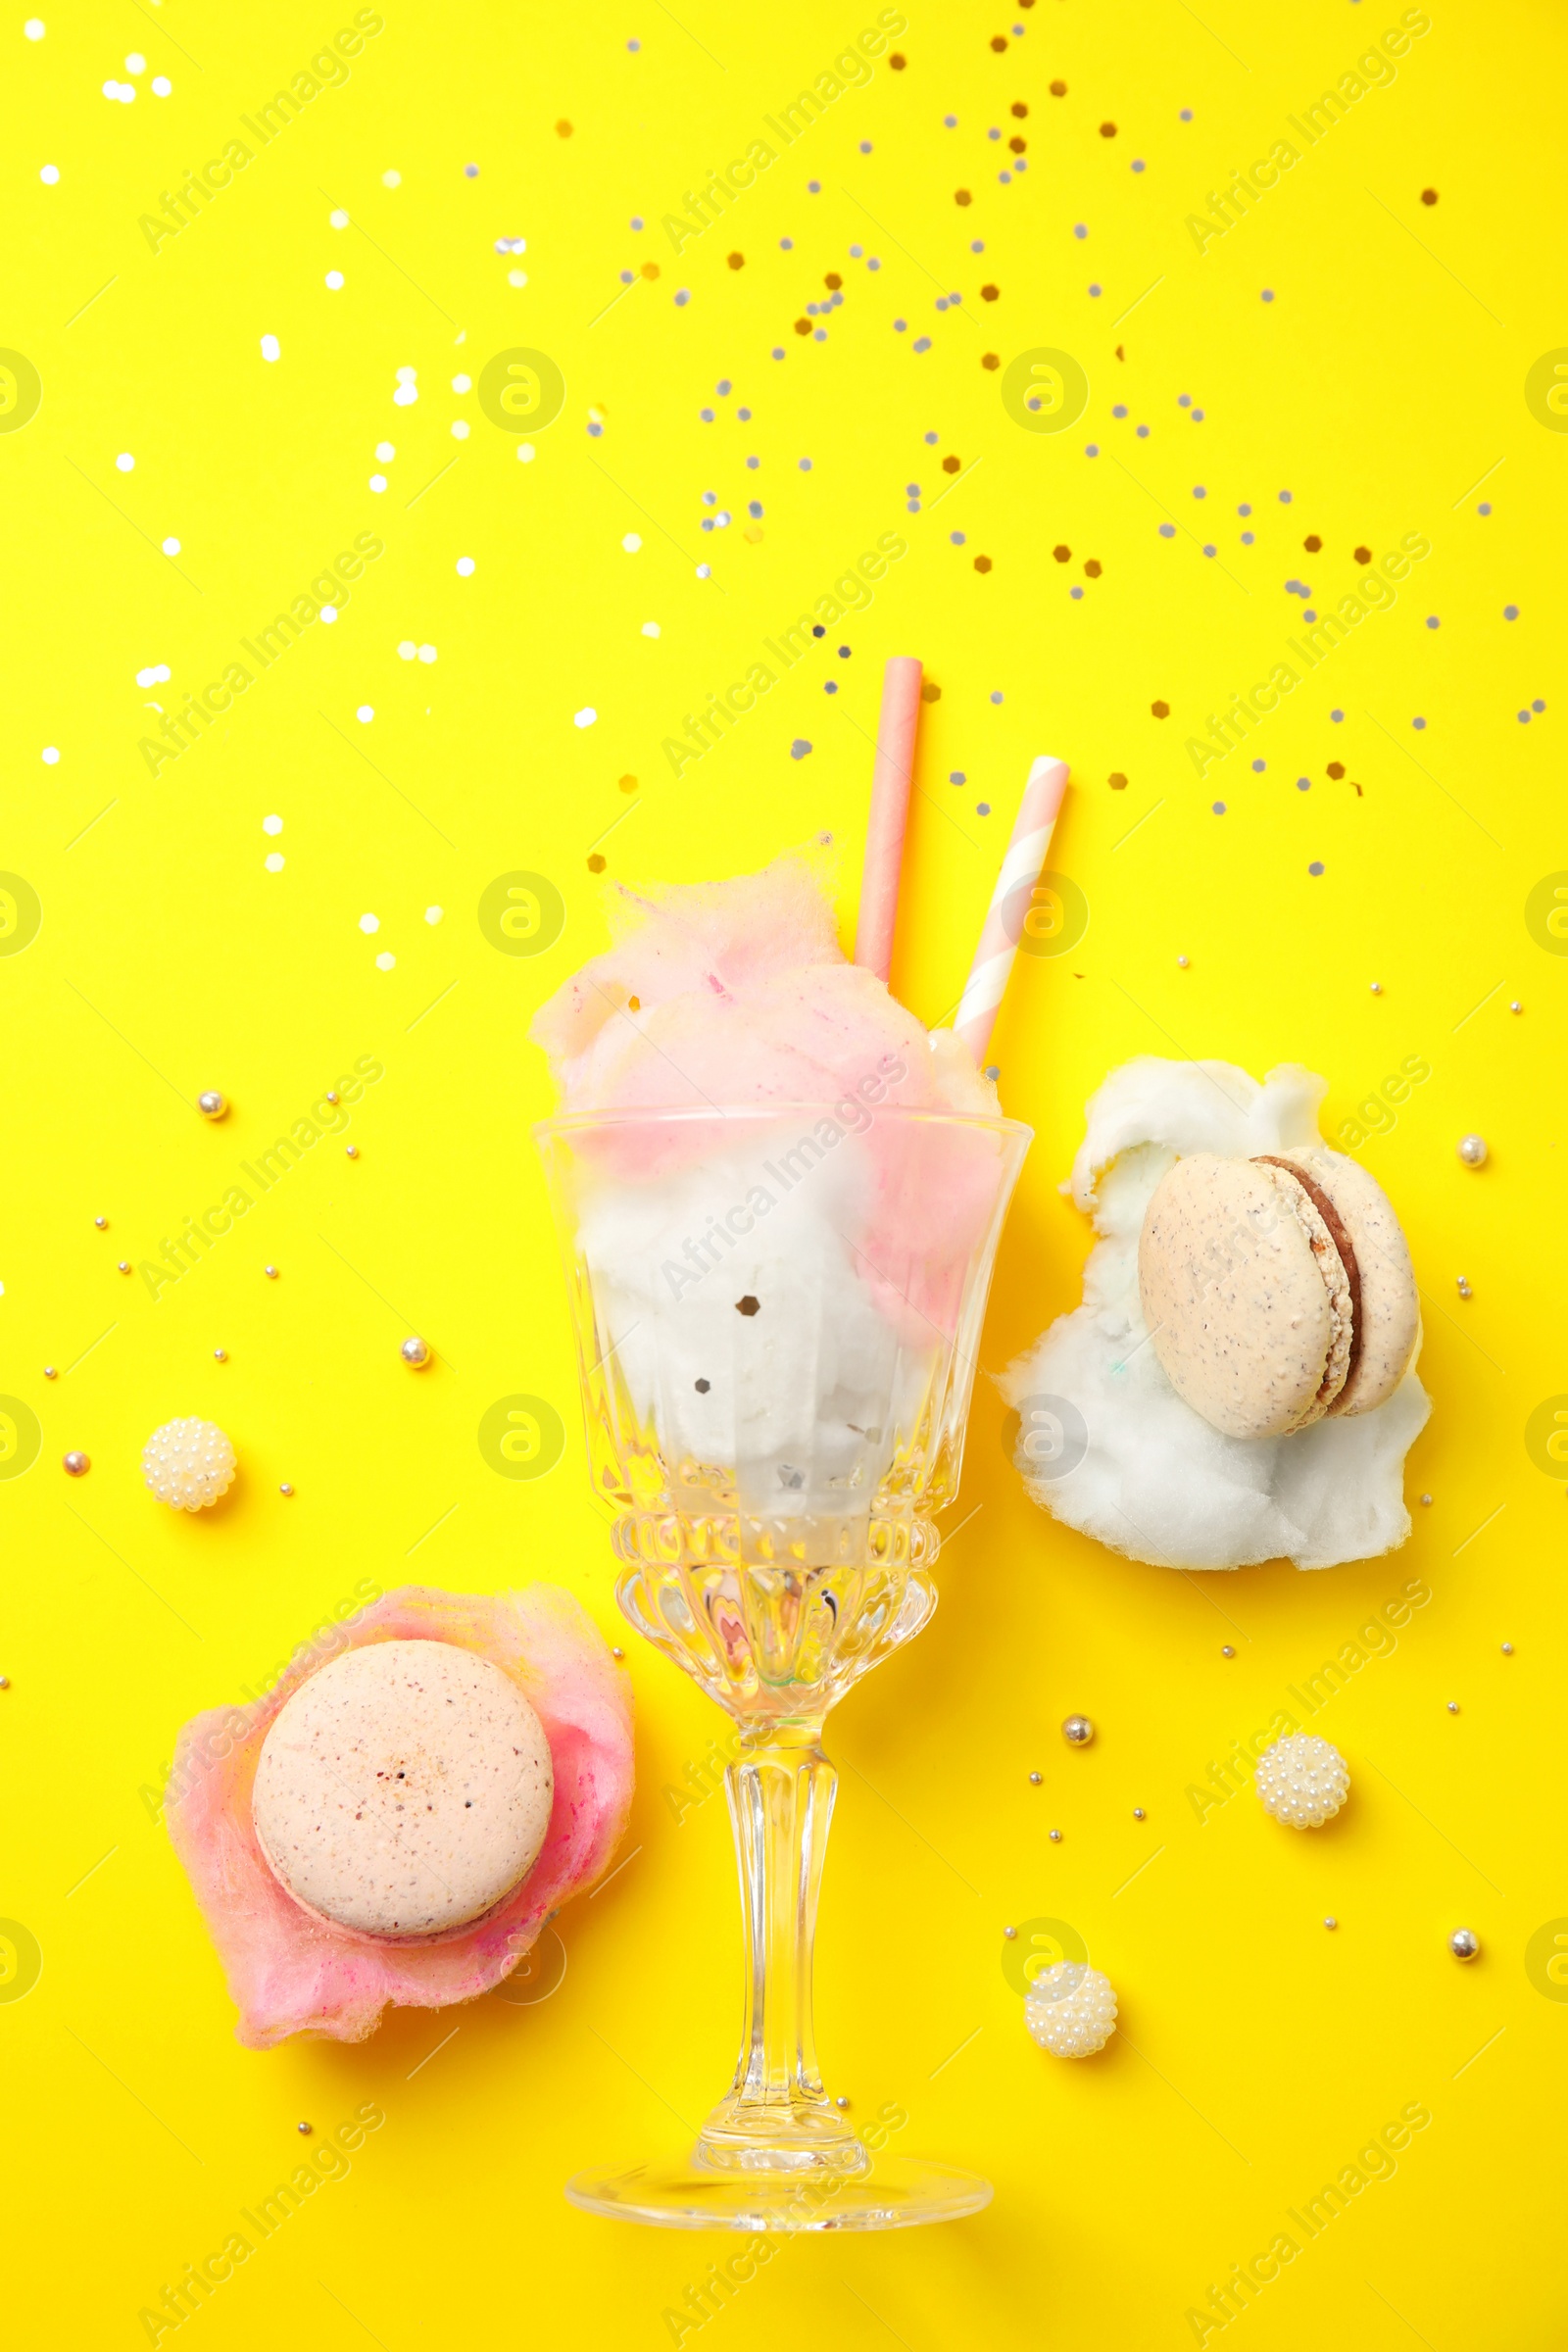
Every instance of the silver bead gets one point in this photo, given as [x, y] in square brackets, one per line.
[351, 1150]
[1139, 1813]
[1227, 1649]
[219, 1356]
[1515, 1005]
[1376, 988]
[1427, 1499]
[5, 1681]
[1331, 1923]
[1181, 962]
[1056, 1837]
[1507, 1650]
[415, 1351]
[1463, 1285]
[50, 1372]
[213, 1106]
[285, 1488]
[617, 1653]
[270, 1272]
[1077, 1731]
[75, 1465]
[1035, 1779]
[1454, 1707]
[1010, 1933]
[124, 1265]
[304, 2128]
[1464, 1943]
[331, 1095]
[841, 2101]
[102, 1224]
[1472, 1149]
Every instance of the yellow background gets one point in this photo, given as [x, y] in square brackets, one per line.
[1381, 384]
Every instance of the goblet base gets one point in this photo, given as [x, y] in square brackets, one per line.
[896, 2192]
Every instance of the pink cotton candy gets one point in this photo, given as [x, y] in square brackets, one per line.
[289, 1972]
[738, 992]
[735, 995]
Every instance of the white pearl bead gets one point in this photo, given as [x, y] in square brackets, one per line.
[1302, 1780]
[1472, 1149]
[1070, 2009]
[188, 1464]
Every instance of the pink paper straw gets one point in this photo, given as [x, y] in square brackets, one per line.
[1021, 868]
[889, 808]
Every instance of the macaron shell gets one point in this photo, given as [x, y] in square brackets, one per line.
[405, 1789]
[1237, 1307]
[1390, 1301]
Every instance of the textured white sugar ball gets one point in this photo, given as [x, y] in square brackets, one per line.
[188, 1464]
[1071, 2009]
[1303, 1781]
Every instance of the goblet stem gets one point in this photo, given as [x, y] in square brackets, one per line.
[777, 2116]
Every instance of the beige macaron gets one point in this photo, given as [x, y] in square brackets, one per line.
[405, 1789]
[1277, 1290]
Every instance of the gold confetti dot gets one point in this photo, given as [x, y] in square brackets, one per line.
[982, 562]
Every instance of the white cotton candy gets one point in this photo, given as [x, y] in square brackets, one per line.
[809, 1391]
[1105, 1442]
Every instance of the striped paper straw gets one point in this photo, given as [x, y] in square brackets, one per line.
[1010, 904]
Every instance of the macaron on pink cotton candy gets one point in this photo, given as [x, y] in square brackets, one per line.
[405, 1788]
[290, 1971]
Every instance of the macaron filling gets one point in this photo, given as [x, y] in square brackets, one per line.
[1335, 1255]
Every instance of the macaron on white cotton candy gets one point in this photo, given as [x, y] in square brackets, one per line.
[405, 1789]
[1111, 1434]
[1277, 1289]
